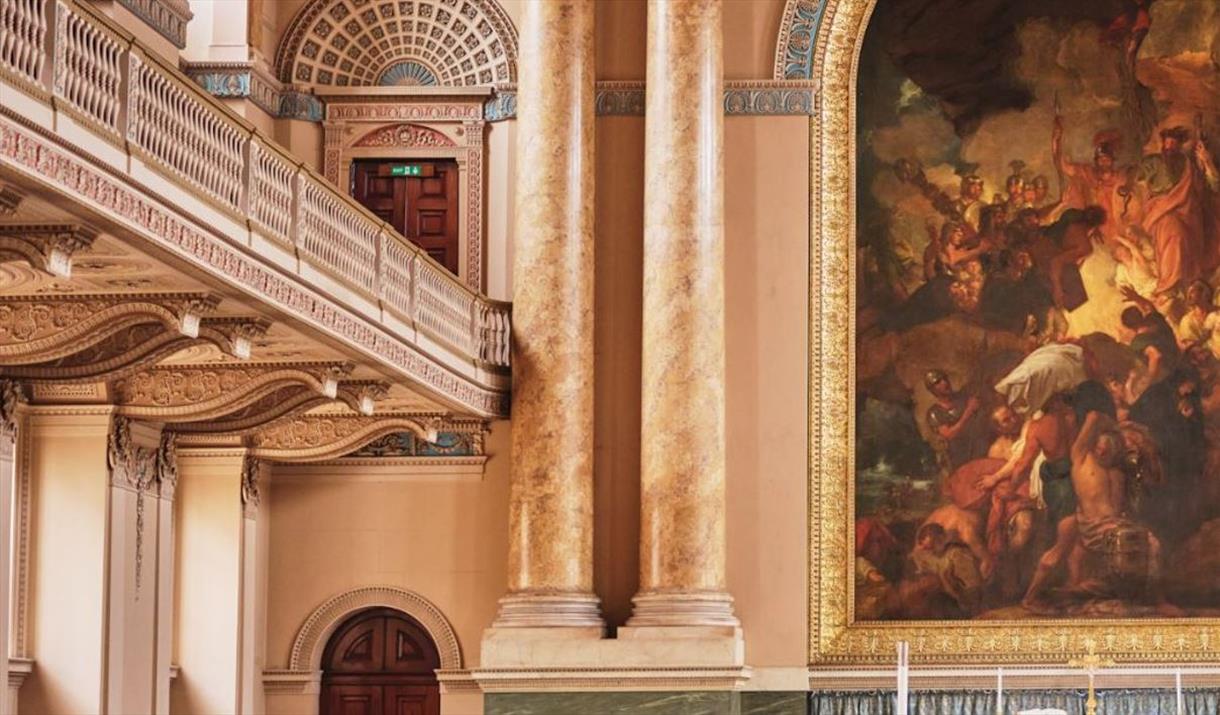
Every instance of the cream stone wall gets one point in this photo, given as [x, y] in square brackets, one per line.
[444, 540]
[767, 296]
[69, 495]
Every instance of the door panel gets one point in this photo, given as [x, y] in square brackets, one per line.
[355, 700]
[411, 700]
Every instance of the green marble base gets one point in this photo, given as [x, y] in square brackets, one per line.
[695, 703]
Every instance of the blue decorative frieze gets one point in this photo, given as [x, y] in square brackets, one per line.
[407, 444]
[408, 73]
[243, 80]
[300, 105]
[501, 106]
[619, 99]
[797, 38]
[225, 84]
[768, 98]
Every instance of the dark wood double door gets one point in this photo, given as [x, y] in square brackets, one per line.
[424, 208]
[380, 662]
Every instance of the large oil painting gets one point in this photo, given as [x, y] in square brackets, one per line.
[1037, 331]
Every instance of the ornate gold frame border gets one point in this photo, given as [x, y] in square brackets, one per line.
[834, 637]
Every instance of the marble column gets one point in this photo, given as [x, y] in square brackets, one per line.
[682, 464]
[550, 556]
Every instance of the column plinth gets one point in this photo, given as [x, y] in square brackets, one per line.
[682, 463]
[550, 561]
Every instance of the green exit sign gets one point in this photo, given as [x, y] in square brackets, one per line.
[407, 170]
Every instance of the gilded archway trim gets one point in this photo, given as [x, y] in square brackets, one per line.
[321, 624]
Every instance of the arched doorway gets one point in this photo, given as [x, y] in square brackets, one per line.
[380, 662]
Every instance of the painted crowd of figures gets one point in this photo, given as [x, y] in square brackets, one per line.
[1077, 474]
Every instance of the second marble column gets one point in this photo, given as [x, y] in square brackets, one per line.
[550, 560]
[682, 539]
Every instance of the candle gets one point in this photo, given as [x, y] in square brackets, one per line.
[1178, 686]
[999, 691]
[902, 678]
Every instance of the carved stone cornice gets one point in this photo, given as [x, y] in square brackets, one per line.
[180, 393]
[311, 438]
[46, 246]
[235, 336]
[37, 329]
[362, 395]
[167, 17]
[10, 200]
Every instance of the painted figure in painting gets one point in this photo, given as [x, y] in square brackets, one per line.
[1038, 337]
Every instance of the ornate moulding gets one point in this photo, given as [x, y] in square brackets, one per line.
[46, 246]
[303, 674]
[626, 99]
[254, 81]
[39, 158]
[416, 127]
[461, 43]
[798, 32]
[836, 639]
[168, 17]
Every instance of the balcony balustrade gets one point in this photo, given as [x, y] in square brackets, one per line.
[74, 59]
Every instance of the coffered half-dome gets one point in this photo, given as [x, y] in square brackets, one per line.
[452, 43]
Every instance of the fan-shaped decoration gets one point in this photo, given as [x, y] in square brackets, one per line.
[456, 43]
[407, 74]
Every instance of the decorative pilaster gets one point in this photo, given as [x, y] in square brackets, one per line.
[222, 551]
[550, 575]
[10, 398]
[682, 530]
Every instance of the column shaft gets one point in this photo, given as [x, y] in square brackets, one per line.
[682, 540]
[551, 508]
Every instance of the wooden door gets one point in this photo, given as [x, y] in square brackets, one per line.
[380, 662]
[355, 700]
[422, 207]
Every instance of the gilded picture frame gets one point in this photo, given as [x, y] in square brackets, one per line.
[835, 637]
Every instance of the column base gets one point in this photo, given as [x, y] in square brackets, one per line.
[683, 609]
[549, 610]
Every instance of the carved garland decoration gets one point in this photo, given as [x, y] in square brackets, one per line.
[313, 438]
[457, 43]
[404, 135]
[139, 469]
[321, 624]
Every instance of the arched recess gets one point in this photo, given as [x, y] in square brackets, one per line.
[798, 31]
[321, 624]
[350, 43]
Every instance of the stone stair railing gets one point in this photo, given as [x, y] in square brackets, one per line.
[91, 68]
